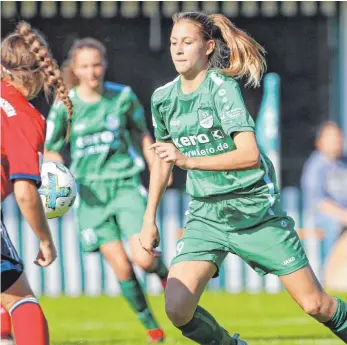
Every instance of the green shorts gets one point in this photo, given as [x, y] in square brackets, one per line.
[110, 211]
[253, 227]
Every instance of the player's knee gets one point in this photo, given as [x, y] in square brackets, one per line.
[313, 306]
[177, 309]
[146, 262]
[122, 268]
[177, 313]
[9, 301]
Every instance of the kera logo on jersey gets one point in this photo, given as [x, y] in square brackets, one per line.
[191, 140]
[205, 117]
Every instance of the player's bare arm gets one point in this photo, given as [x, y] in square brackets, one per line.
[146, 142]
[53, 156]
[160, 174]
[30, 204]
[246, 156]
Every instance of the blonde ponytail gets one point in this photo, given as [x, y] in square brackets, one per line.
[246, 55]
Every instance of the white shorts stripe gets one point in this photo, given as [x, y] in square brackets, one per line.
[22, 301]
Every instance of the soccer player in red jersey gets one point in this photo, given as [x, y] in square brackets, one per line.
[26, 67]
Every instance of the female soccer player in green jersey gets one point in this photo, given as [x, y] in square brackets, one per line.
[108, 119]
[202, 125]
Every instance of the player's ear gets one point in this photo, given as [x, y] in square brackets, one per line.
[210, 45]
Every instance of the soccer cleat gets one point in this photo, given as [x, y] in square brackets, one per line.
[238, 341]
[156, 336]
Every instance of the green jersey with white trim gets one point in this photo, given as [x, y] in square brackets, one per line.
[103, 134]
[201, 124]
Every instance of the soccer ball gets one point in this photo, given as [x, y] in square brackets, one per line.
[58, 189]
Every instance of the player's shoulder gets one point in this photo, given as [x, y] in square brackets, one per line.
[219, 81]
[16, 107]
[59, 106]
[163, 92]
[115, 90]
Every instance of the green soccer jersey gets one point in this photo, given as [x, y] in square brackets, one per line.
[102, 145]
[201, 124]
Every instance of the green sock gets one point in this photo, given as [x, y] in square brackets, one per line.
[338, 323]
[204, 330]
[132, 291]
[160, 269]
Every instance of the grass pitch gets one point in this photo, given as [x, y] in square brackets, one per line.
[261, 319]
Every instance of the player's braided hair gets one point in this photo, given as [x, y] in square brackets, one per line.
[236, 54]
[26, 60]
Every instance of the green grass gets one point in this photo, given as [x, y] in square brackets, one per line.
[260, 319]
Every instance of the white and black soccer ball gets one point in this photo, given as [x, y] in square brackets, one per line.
[58, 189]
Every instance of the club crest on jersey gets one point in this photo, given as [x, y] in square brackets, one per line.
[205, 117]
[112, 122]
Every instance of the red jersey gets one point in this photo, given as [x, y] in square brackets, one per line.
[23, 131]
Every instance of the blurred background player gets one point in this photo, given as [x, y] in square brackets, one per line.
[108, 126]
[324, 191]
[235, 205]
[324, 184]
[26, 67]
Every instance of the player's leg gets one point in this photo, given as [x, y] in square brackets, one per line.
[130, 211]
[305, 289]
[130, 287]
[28, 320]
[113, 251]
[200, 252]
[6, 328]
[274, 247]
[147, 262]
[186, 282]
[99, 230]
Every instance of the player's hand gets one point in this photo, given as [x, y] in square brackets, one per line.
[47, 254]
[149, 238]
[169, 153]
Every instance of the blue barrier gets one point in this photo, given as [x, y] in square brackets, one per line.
[75, 274]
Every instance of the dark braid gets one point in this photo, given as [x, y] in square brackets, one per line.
[27, 61]
[47, 65]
